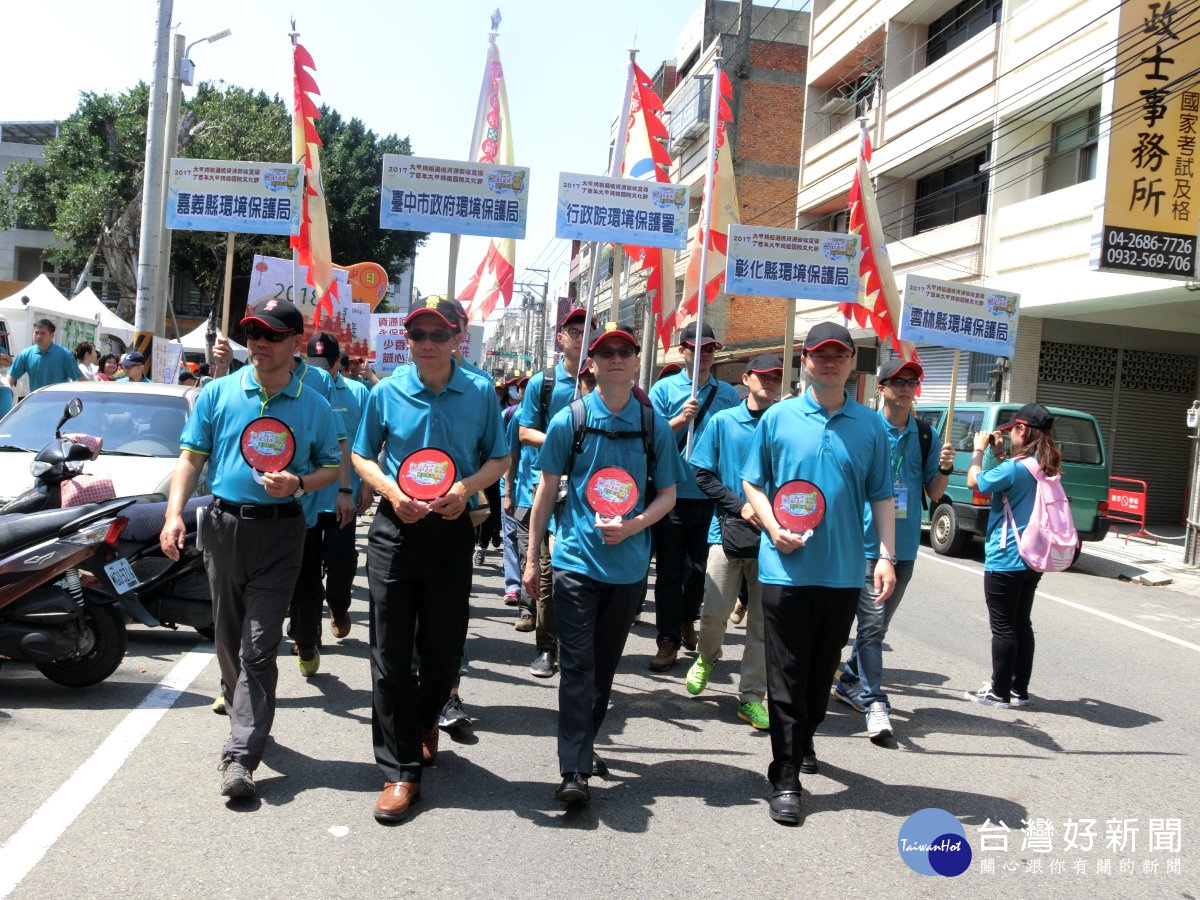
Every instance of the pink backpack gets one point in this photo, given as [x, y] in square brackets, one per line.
[1049, 541]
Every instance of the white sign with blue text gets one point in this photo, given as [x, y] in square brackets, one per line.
[780, 262]
[621, 211]
[962, 316]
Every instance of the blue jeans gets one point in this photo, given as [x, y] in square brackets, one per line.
[512, 568]
[862, 675]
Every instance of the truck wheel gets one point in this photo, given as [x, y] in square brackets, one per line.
[107, 627]
[945, 536]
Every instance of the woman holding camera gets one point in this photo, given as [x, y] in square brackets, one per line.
[1008, 583]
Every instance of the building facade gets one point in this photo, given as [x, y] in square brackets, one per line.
[990, 122]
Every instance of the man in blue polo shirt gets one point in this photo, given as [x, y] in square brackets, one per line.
[811, 580]
[253, 533]
[600, 564]
[681, 537]
[419, 552]
[537, 409]
[733, 539]
[44, 361]
[915, 470]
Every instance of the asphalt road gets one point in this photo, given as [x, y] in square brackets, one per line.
[100, 801]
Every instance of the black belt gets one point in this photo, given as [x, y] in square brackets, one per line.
[288, 510]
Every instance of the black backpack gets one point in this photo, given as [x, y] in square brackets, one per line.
[581, 428]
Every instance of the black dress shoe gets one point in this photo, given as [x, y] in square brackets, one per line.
[808, 760]
[574, 789]
[785, 807]
[599, 767]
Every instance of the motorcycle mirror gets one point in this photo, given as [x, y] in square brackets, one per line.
[73, 408]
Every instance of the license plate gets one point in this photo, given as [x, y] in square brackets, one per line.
[120, 573]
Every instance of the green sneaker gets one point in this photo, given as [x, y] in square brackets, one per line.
[756, 714]
[697, 676]
[310, 667]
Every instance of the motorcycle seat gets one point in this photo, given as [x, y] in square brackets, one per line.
[146, 520]
[23, 528]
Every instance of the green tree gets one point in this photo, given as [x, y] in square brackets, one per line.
[88, 188]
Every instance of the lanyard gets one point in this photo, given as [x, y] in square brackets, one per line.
[898, 455]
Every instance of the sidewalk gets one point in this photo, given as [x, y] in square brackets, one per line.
[1142, 561]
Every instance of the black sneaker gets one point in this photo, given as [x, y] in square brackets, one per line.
[986, 696]
[574, 789]
[453, 715]
[544, 665]
[236, 779]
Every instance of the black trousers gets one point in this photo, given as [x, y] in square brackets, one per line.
[1009, 597]
[328, 552]
[681, 555]
[420, 585]
[806, 629]
[594, 619]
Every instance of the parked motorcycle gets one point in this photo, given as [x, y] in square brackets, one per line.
[156, 589]
[58, 462]
[75, 635]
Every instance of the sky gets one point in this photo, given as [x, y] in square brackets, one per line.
[412, 69]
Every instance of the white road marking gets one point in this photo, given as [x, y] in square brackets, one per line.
[1079, 606]
[25, 849]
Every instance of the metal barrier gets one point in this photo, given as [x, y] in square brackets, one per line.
[1127, 506]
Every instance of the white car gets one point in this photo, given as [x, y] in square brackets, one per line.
[140, 424]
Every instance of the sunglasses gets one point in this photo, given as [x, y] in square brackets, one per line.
[624, 351]
[900, 382]
[273, 337]
[438, 336]
[704, 348]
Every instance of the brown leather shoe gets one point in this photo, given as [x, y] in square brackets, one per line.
[666, 655]
[392, 805]
[688, 632]
[340, 625]
[525, 623]
[429, 744]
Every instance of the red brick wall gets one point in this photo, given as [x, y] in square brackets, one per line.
[768, 130]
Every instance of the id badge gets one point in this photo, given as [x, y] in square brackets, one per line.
[900, 496]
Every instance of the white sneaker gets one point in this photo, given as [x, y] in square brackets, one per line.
[879, 724]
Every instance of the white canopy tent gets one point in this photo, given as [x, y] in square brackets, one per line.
[194, 340]
[41, 299]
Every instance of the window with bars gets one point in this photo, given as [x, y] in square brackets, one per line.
[957, 192]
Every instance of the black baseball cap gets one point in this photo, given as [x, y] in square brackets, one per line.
[275, 315]
[764, 362]
[323, 350]
[449, 311]
[688, 336]
[1032, 414]
[897, 364]
[828, 333]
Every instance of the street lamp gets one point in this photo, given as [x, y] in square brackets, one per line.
[182, 73]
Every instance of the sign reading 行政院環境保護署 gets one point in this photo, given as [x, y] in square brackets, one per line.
[453, 197]
[1147, 225]
[244, 197]
[962, 316]
[621, 211]
[780, 262]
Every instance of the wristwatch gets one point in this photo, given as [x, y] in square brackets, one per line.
[345, 491]
[890, 557]
[299, 487]
[948, 471]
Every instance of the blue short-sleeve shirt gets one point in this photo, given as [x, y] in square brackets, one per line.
[668, 396]
[227, 405]
[1009, 478]
[906, 467]
[530, 416]
[403, 416]
[722, 449]
[348, 400]
[53, 366]
[578, 546]
[845, 455]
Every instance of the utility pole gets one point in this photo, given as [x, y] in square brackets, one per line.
[148, 310]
